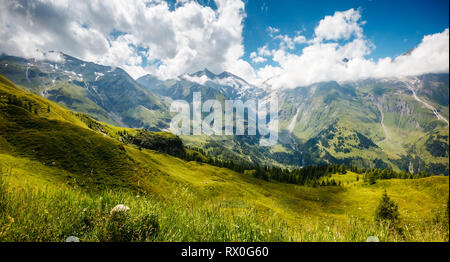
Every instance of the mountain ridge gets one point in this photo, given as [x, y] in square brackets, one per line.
[382, 110]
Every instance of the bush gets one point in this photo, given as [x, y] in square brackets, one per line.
[372, 180]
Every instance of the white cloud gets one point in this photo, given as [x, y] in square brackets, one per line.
[342, 25]
[201, 80]
[190, 37]
[338, 52]
[432, 55]
[264, 51]
[286, 42]
[259, 59]
[272, 30]
[187, 38]
[256, 58]
[299, 39]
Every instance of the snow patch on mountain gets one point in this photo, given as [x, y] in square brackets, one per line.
[98, 75]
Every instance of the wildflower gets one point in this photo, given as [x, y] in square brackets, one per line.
[72, 239]
[372, 239]
[119, 208]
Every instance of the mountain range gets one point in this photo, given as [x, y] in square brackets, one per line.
[399, 123]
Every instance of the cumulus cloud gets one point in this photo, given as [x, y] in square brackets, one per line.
[432, 55]
[174, 40]
[341, 25]
[338, 52]
[149, 36]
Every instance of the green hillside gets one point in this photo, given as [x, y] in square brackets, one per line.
[62, 172]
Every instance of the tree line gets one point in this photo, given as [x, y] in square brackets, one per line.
[371, 175]
[308, 175]
[25, 104]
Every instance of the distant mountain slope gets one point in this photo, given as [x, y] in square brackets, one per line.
[211, 85]
[395, 114]
[385, 111]
[108, 94]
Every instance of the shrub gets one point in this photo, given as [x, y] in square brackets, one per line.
[372, 179]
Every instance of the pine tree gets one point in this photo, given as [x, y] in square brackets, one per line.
[372, 179]
[387, 210]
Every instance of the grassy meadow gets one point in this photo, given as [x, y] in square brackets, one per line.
[211, 204]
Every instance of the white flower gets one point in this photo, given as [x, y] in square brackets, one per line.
[119, 208]
[372, 239]
[72, 239]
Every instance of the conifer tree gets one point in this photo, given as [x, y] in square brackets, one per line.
[387, 210]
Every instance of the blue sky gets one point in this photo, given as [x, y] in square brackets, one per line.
[393, 26]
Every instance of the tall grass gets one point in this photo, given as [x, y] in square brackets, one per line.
[52, 214]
